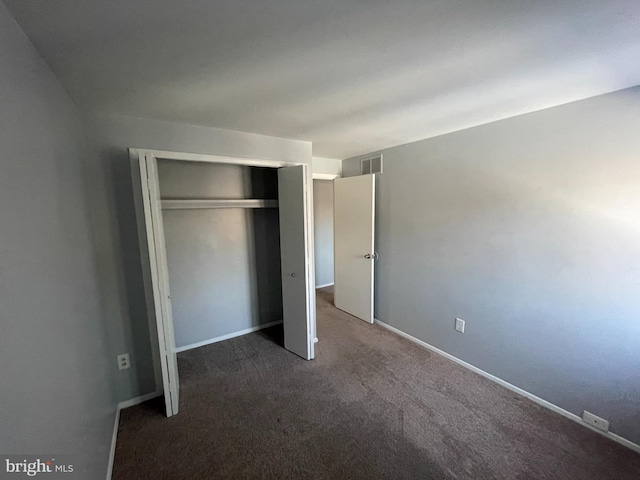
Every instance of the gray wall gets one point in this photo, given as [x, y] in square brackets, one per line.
[224, 264]
[57, 391]
[329, 166]
[323, 230]
[528, 229]
[113, 211]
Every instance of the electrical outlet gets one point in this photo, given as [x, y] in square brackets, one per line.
[459, 326]
[595, 421]
[124, 361]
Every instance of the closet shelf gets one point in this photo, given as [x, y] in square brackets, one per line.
[195, 203]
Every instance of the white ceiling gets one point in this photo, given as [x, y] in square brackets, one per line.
[353, 76]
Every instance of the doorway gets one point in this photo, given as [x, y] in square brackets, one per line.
[354, 251]
[323, 231]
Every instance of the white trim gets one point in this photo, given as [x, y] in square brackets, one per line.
[310, 264]
[160, 280]
[227, 336]
[198, 157]
[112, 451]
[513, 388]
[310, 260]
[116, 424]
[323, 286]
[325, 176]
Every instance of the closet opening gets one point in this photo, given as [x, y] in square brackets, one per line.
[227, 247]
[222, 240]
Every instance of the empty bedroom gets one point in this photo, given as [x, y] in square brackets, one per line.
[320, 240]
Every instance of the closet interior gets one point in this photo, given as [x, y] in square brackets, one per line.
[222, 240]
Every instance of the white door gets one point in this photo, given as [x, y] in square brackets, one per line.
[159, 280]
[294, 252]
[353, 244]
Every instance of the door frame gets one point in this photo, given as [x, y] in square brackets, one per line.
[325, 176]
[330, 177]
[154, 260]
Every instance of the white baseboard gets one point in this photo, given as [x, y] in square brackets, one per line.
[122, 405]
[227, 336]
[513, 388]
[323, 286]
[112, 451]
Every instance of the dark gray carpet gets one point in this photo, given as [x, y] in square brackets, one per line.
[371, 405]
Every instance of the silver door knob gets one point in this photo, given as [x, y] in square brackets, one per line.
[293, 274]
[373, 255]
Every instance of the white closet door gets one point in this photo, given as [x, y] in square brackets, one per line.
[160, 281]
[354, 255]
[294, 253]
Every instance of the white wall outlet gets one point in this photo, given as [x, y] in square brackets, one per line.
[595, 421]
[459, 325]
[124, 361]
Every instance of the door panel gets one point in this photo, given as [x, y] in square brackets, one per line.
[294, 254]
[159, 281]
[354, 216]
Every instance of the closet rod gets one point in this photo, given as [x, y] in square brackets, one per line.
[195, 203]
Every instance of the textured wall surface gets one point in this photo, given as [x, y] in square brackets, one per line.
[329, 166]
[528, 229]
[57, 394]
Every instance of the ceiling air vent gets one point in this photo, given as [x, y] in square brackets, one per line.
[371, 165]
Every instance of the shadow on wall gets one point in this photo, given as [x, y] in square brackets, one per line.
[267, 277]
[137, 336]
